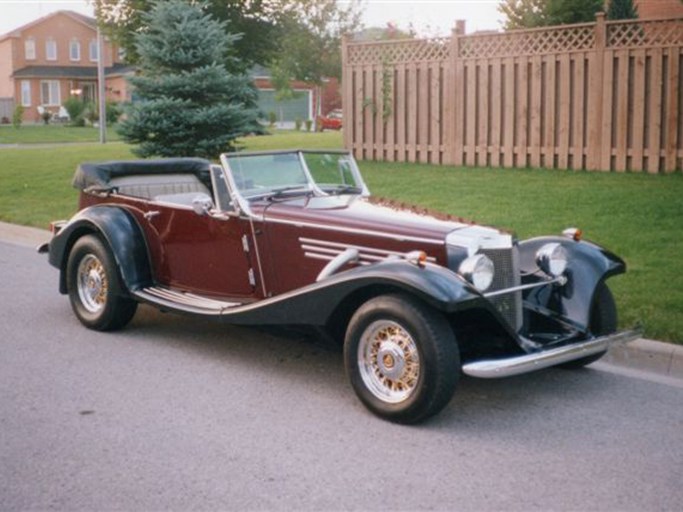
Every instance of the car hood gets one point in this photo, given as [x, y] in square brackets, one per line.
[365, 215]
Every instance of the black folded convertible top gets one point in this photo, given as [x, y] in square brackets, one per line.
[98, 175]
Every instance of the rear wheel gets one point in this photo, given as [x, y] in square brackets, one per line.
[603, 320]
[95, 290]
[402, 358]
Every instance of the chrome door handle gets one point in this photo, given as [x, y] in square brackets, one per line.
[151, 214]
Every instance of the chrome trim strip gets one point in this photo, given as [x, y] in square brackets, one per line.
[327, 257]
[400, 238]
[517, 365]
[315, 256]
[307, 247]
[557, 280]
[336, 252]
[324, 246]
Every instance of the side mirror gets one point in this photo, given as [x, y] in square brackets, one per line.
[202, 204]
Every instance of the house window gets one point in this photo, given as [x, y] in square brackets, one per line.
[51, 49]
[30, 49]
[49, 93]
[93, 50]
[25, 93]
[75, 50]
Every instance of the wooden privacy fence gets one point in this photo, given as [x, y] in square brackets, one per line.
[596, 96]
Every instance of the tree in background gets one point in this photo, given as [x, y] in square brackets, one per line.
[310, 50]
[523, 13]
[561, 12]
[255, 20]
[622, 10]
[388, 33]
[541, 13]
[190, 104]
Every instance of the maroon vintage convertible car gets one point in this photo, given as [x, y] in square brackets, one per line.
[293, 237]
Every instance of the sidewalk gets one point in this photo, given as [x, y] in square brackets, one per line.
[665, 359]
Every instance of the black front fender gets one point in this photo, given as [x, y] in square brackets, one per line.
[122, 235]
[588, 265]
[316, 303]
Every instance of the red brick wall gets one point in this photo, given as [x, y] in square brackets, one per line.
[331, 96]
[659, 8]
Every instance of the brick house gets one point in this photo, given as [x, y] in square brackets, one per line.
[54, 57]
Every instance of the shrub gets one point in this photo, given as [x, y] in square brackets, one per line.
[46, 115]
[309, 124]
[18, 116]
[75, 106]
[297, 124]
[272, 117]
[113, 112]
[90, 114]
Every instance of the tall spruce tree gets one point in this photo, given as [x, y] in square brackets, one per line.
[622, 10]
[189, 104]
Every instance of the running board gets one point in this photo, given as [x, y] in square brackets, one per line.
[517, 365]
[183, 301]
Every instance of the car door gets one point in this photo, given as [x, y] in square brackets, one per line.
[201, 253]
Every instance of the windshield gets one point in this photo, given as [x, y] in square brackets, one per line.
[285, 173]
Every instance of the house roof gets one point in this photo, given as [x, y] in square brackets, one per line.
[80, 18]
[82, 72]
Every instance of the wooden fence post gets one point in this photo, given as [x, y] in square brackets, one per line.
[455, 91]
[594, 143]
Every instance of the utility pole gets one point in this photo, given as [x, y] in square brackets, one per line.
[100, 87]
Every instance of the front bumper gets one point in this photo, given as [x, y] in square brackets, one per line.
[517, 365]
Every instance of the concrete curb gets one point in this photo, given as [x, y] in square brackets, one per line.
[665, 359]
[649, 356]
[22, 235]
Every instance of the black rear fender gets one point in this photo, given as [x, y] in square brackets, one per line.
[120, 232]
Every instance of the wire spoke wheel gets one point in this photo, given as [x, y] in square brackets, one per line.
[92, 283]
[389, 361]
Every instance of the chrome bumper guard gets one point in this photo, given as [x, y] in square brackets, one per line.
[499, 368]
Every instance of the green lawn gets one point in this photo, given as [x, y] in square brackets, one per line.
[41, 134]
[639, 217]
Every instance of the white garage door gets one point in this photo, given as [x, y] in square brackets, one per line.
[288, 110]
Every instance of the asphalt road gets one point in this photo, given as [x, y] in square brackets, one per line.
[178, 413]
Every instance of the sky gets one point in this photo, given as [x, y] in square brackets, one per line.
[428, 17]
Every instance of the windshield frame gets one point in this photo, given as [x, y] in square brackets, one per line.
[310, 188]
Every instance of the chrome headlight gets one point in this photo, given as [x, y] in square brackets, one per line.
[552, 259]
[478, 270]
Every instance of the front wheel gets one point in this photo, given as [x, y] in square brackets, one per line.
[602, 321]
[95, 290]
[402, 358]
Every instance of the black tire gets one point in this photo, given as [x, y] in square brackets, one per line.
[96, 292]
[397, 334]
[603, 320]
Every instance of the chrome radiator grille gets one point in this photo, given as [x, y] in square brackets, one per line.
[506, 264]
